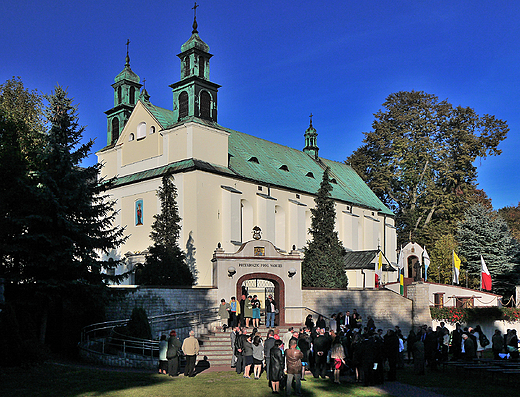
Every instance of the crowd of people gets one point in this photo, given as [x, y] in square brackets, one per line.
[172, 349]
[342, 347]
[343, 344]
[368, 355]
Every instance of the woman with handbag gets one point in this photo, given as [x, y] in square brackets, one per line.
[172, 354]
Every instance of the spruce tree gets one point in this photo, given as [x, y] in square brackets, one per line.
[483, 232]
[68, 232]
[323, 264]
[166, 262]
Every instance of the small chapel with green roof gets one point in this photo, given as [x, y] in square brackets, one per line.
[228, 182]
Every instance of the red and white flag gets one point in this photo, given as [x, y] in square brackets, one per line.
[486, 276]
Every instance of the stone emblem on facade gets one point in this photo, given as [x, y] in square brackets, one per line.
[257, 233]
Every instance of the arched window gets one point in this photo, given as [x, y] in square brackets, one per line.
[115, 129]
[205, 105]
[132, 95]
[246, 220]
[279, 227]
[183, 105]
[119, 92]
[131, 137]
[141, 130]
[186, 66]
[152, 130]
[202, 64]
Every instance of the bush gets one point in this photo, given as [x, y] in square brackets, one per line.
[475, 314]
[138, 326]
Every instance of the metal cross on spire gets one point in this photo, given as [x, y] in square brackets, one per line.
[127, 56]
[195, 18]
[311, 119]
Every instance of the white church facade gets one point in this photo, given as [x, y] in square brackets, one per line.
[228, 182]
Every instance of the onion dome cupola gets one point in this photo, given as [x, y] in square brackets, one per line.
[126, 94]
[195, 95]
[311, 141]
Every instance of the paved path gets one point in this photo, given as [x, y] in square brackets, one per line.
[403, 390]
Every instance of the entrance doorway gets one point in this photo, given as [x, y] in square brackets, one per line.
[263, 284]
[414, 268]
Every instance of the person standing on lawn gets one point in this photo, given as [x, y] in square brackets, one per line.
[172, 354]
[293, 359]
[190, 347]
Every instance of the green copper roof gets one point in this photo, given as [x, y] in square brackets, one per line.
[195, 42]
[278, 165]
[127, 74]
[163, 116]
[179, 166]
[267, 162]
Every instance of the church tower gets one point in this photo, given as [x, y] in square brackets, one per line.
[194, 95]
[311, 141]
[126, 94]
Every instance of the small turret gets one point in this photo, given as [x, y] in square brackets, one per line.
[311, 138]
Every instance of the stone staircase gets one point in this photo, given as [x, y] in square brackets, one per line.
[216, 346]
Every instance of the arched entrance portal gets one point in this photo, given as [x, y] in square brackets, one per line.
[414, 268]
[279, 291]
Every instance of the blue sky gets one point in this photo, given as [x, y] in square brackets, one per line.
[279, 61]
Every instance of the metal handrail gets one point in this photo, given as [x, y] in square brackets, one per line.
[106, 337]
[308, 309]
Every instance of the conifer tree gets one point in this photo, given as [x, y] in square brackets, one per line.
[323, 264]
[68, 232]
[483, 232]
[166, 262]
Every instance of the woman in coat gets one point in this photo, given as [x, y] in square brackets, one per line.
[276, 366]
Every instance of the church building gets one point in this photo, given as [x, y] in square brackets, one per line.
[228, 182]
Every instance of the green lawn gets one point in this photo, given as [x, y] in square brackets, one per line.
[68, 381]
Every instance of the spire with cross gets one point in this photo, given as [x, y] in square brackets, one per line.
[127, 56]
[195, 18]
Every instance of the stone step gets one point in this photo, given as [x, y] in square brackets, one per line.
[216, 346]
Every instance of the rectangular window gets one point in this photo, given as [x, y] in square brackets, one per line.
[465, 303]
[438, 299]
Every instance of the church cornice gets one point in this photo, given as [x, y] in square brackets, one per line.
[197, 80]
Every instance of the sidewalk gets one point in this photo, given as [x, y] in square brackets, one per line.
[403, 390]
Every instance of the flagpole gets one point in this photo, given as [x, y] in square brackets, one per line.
[481, 273]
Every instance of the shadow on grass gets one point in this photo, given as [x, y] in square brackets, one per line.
[63, 380]
[76, 380]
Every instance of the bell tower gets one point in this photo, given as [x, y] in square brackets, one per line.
[126, 94]
[195, 95]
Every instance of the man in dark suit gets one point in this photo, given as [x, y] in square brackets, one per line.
[321, 350]
[268, 345]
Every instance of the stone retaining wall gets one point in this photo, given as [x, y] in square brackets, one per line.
[386, 307]
[158, 301]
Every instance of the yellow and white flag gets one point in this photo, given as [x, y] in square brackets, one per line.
[379, 270]
[456, 268]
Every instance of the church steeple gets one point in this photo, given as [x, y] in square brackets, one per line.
[311, 141]
[195, 95]
[126, 93]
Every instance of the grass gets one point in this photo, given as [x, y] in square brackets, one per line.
[52, 380]
[71, 380]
